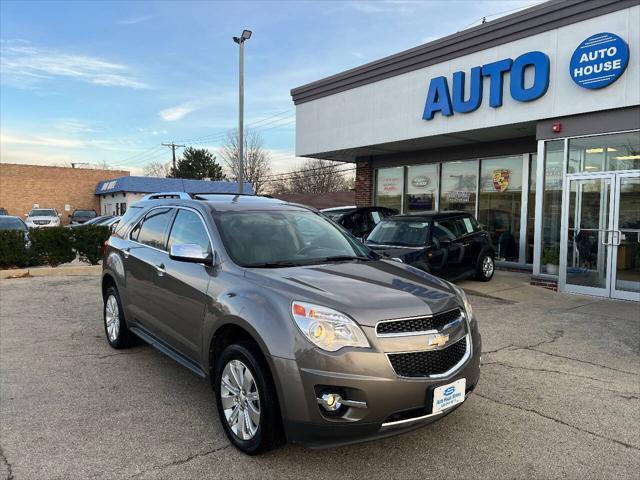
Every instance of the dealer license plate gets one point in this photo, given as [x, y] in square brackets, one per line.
[447, 396]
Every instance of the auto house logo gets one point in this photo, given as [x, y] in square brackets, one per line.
[599, 61]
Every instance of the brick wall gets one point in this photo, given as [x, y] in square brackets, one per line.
[22, 186]
[364, 184]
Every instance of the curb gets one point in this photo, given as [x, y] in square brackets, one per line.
[51, 271]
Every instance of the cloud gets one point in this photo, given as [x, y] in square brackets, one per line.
[135, 20]
[10, 138]
[25, 65]
[176, 113]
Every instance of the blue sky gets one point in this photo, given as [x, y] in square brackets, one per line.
[109, 81]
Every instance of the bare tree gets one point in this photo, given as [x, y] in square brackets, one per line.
[314, 176]
[157, 169]
[257, 162]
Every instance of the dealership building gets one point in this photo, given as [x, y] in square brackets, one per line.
[531, 122]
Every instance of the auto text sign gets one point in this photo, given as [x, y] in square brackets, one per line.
[599, 60]
[449, 395]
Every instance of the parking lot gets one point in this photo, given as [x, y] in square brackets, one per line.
[559, 397]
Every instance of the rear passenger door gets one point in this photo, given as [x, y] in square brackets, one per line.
[471, 240]
[446, 238]
[184, 287]
[146, 261]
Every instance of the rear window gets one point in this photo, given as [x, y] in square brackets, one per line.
[84, 213]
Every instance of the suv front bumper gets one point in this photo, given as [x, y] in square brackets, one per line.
[394, 404]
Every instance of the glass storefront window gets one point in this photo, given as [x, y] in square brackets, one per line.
[620, 151]
[552, 206]
[531, 207]
[500, 204]
[459, 185]
[390, 187]
[422, 188]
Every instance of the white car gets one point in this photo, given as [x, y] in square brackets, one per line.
[42, 217]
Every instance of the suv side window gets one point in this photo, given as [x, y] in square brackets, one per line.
[151, 231]
[188, 228]
[468, 225]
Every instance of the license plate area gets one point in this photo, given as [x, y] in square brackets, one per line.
[449, 395]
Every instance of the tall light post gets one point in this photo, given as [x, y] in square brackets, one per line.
[246, 35]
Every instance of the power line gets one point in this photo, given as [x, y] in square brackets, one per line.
[325, 167]
[293, 175]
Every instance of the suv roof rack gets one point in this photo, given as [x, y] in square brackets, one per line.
[159, 195]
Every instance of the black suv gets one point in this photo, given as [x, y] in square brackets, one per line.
[82, 216]
[448, 244]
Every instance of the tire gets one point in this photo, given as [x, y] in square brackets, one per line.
[263, 431]
[115, 329]
[486, 267]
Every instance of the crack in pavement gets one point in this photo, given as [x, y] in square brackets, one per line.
[4, 460]
[561, 422]
[181, 461]
[580, 361]
[545, 370]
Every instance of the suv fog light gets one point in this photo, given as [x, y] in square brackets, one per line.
[330, 401]
[333, 401]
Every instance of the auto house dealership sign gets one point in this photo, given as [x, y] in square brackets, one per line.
[596, 63]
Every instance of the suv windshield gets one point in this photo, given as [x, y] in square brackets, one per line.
[404, 232]
[285, 238]
[9, 223]
[42, 212]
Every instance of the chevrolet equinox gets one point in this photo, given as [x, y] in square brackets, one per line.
[305, 334]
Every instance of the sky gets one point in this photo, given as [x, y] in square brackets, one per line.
[108, 82]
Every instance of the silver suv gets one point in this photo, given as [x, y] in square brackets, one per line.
[42, 217]
[305, 333]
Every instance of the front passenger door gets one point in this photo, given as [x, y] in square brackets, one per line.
[184, 287]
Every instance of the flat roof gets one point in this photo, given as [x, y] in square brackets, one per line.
[524, 23]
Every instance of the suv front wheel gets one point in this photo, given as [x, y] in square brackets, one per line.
[246, 399]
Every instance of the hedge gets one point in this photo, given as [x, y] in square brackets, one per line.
[52, 246]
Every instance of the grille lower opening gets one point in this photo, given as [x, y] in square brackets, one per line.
[420, 324]
[427, 363]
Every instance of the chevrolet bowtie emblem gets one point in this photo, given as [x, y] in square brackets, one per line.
[437, 340]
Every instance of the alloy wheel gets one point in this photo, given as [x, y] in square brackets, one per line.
[487, 266]
[240, 399]
[112, 318]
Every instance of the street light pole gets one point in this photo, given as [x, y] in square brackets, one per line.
[246, 35]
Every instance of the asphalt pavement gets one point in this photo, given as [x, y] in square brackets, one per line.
[559, 397]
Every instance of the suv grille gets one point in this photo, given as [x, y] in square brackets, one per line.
[42, 222]
[425, 364]
[420, 324]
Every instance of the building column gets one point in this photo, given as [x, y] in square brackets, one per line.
[364, 184]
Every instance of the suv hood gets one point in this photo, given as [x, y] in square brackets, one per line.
[367, 291]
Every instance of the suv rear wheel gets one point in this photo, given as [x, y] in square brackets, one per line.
[115, 325]
[246, 399]
[486, 267]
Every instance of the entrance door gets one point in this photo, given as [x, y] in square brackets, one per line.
[600, 235]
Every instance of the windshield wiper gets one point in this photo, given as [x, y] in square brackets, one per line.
[343, 258]
[278, 264]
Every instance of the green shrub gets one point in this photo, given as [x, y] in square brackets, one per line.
[13, 252]
[51, 246]
[88, 241]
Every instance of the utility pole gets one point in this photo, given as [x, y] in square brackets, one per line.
[173, 147]
[246, 35]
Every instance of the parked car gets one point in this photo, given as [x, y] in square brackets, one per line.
[360, 221]
[9, 222]
[319, 340]
[3, 211]
[335, 212]
[94, 221]
[42, 217]
[450, 245]
[82, 216]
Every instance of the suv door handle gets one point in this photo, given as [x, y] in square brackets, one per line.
[126, 252]
[160, 270]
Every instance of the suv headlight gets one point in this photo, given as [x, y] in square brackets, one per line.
[326, 328]
[465, 301]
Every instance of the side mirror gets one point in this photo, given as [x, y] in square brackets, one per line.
[190, 252]
[26, 214]
[445, 243]
[60, 215]
[482, 226]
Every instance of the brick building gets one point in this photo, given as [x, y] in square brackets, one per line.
[65, 189]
